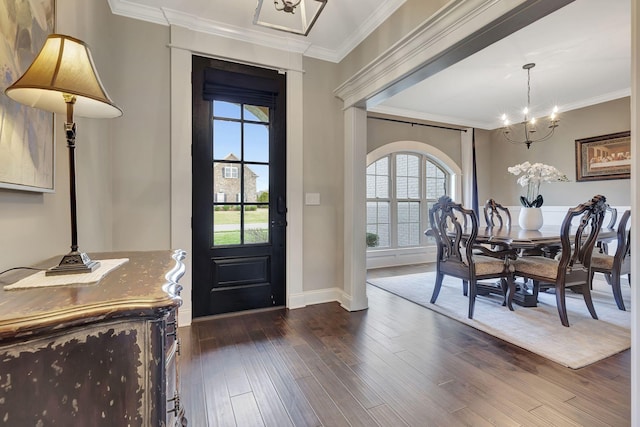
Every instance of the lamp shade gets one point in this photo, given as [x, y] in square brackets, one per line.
[64, 67]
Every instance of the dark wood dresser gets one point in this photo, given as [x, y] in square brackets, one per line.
[100, 354]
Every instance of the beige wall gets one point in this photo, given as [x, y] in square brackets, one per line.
[122, 164]
[323, 173]
[131, 152]
[483, 173]
[140, 139]
[559, 151]
[381, 132]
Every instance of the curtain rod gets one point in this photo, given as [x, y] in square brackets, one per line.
[415, 123]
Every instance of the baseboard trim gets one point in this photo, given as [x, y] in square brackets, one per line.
[184, 317]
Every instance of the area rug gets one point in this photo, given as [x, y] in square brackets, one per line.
[537, 329]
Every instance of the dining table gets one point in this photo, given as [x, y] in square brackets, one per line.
[545, 241]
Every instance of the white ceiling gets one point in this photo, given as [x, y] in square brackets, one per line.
[342, 25]
[582, 54]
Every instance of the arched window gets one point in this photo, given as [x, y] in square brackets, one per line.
[401, 188]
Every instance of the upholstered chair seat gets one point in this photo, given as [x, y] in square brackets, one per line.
[537, 266]
[486, 265]
[602, 261]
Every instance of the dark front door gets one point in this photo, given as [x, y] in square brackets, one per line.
[239, 207]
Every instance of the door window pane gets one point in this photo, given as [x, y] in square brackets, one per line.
[225, 109]
[256, 142]
[226, 140]
[256, 224]
[226, 225]
[256, 184]
[226, 182]
[256, 113]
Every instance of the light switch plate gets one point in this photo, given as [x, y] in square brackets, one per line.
[312, 198]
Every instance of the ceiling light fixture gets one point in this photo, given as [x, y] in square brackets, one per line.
[527, 128]
[298, 17]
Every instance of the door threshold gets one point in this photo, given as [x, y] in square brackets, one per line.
[236, 313]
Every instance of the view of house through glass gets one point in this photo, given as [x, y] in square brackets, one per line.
[401, 188]
[240, 174]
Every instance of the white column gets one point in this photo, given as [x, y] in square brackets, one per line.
[355, 165]
[295, 204]
[181, 170]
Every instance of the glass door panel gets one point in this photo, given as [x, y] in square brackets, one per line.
[240, 174]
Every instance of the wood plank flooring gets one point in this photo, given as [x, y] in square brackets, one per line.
[394, 364]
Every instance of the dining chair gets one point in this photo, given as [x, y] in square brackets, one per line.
[619, 264]
[496, 215]
[570, 268]
[455, 230]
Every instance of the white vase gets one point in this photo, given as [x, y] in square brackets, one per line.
[530, 218]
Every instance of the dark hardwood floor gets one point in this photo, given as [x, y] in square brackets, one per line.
[394, 364]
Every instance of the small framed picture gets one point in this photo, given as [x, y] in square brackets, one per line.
[604, 157]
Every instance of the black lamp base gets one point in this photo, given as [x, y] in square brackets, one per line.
[73, 263]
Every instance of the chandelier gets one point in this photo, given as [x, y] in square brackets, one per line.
[526, 131]
[292, 16]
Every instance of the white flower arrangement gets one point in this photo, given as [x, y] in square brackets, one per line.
[532, 176]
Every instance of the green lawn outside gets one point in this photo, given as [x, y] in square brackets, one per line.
[233, 217]
[222, 238]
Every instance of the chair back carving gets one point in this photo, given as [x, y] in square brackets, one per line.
[623, 251]
[612, 214]
[617, 265]
[577, 246]
[496, 215]
[448, 222]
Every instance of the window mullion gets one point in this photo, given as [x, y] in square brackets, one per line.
[393, 204]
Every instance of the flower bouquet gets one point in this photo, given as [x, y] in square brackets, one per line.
[532, 175]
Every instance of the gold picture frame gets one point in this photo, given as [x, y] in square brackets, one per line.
[27, 135]
[604, 157]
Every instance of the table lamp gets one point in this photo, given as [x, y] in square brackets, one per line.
[63, 79]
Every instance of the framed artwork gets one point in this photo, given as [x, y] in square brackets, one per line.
[27, 135]
[604, 157]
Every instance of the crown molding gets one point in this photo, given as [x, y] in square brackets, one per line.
[372, 22]
[137, 11]
[167, 16]
[420, 115]
[216, 28]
